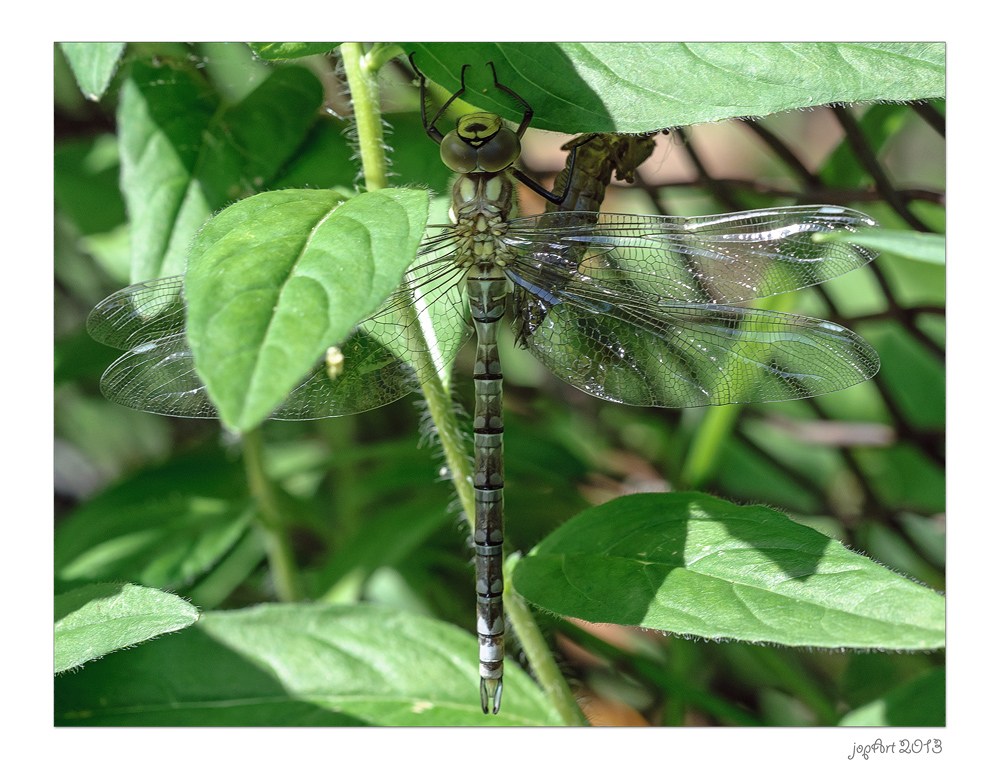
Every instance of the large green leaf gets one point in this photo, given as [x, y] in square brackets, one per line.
[634, 87]
[299, 665]
[693, 564]
[185, 156]
[276, 279]
[101, 618]
[163, 527]
[93, 64]
[268, 127]
[163, 115]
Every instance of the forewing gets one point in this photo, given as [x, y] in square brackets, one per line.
[723, 259]
[372, 376]
[139, 314]
[425, 322]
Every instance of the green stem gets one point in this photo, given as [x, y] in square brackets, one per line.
[364, 94]
[706, 446]
[363, 82]
[270, 524]
[362, 79]
[380, 53]
[455, 455]
[678, 663]
[537, 650]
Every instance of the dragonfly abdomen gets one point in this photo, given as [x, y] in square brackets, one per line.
[481, 205]
[487, 300]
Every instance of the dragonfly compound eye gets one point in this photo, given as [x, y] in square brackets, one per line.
[491, 155]
[457, 155]
[500, 151]
[480, 144]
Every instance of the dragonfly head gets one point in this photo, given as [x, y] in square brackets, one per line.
[481, 143]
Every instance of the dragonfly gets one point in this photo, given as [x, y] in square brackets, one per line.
[640, 310]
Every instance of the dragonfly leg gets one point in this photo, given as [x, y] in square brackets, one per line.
[528, 111]
[534, 186]
[430, 128]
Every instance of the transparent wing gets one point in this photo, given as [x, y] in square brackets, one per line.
[425, 322]
[702, 260]
[158, 377]
[692, 355]
[638, 309]
[416, 332]
[139, 314]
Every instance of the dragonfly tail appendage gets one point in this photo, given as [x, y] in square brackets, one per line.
[490, 691]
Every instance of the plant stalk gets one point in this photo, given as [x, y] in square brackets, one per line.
[362, 79]
[364, 94]
[363, 83]
[718, 423]
[270, 525]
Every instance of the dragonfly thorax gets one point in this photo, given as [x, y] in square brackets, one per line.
[481, 205]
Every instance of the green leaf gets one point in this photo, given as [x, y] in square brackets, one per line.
[163, 527]
[919, 703]
[385, 538]
[276, 279]
[163, 115]
[693, 564]
[326, 160]
[277, 51]
[920, 246]
[904, 361]
[93, 64]
[299, 665]
[101, 618]
[269, 126]
[85, 183]
[634, 87]
[232, 68]
[110, 439]
[183, 156]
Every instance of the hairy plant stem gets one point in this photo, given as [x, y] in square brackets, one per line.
[364, 94]
[270, 525]
[362, 79]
